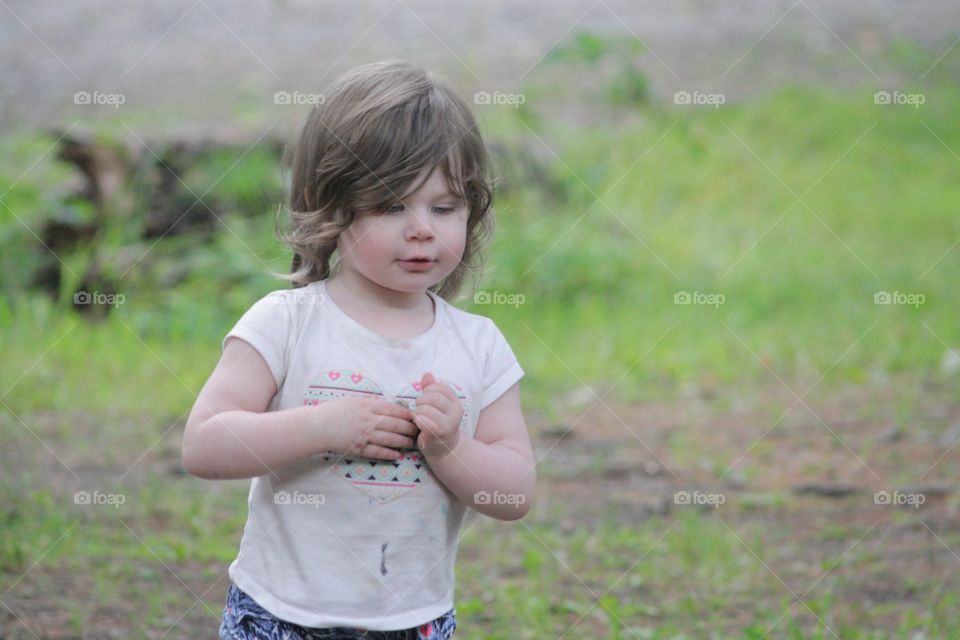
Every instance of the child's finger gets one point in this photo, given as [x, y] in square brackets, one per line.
[426, 424]
[394, 440]
[434, 415]
[394, 425]
[444, 390]
[382, 453]
[397, 410]
[431, 399]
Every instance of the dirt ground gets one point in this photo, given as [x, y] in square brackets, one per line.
[807, 476]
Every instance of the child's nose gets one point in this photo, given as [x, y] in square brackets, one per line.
[420, 225]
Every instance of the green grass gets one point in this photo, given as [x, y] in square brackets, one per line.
[685, 218]
[714, 574]
[698, 213]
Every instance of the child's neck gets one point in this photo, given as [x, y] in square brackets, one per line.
[370, 295]
[386, 311]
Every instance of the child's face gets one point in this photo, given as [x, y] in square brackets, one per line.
[430, 223]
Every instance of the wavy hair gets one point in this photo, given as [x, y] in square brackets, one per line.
[364, 145]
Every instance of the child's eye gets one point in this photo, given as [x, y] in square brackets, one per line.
[440, 210]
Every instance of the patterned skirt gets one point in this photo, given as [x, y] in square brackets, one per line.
[244, 619]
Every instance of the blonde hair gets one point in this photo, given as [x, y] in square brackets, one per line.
[384, 124]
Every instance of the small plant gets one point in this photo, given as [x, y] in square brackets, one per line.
[628, 85]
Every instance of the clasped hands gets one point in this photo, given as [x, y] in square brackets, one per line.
[437, 415]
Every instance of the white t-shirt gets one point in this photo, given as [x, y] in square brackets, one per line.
[356, 542]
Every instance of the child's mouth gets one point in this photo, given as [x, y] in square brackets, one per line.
[419, 263]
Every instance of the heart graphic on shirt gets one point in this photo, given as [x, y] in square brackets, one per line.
[382, 480]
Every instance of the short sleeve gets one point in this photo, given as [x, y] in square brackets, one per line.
[501, 369]
[268, 327]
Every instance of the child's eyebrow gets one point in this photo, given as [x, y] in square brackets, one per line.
[450, 194]
[440, 196]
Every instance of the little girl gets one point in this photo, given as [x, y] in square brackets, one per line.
[369, 411]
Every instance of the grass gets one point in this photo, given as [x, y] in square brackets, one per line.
[710, 210]
[685, 219]
[678, 201]
[694, 574]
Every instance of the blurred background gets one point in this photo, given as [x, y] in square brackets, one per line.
[726, 257]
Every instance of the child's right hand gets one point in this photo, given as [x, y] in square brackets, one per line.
[369, 427]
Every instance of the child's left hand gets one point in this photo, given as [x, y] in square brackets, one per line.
[437, 414]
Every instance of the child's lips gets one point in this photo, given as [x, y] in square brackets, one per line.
[418, 265]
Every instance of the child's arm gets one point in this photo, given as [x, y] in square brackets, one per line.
[494, 472]
[229, 435]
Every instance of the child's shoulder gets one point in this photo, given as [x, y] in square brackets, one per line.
[284, 303]
[483, 338]
[305, 295]
[470, 322]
